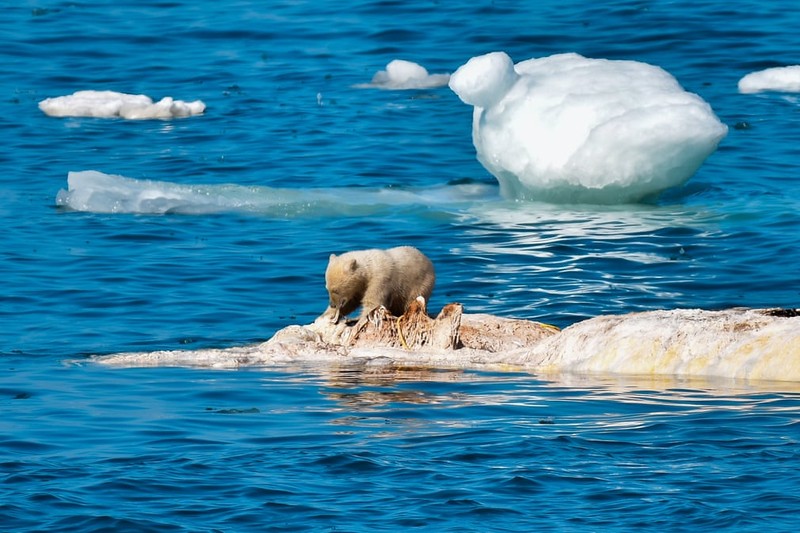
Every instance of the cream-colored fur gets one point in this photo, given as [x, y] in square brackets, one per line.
[368, 279]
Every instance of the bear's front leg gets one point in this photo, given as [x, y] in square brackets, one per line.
[374, 297]
[332, 314]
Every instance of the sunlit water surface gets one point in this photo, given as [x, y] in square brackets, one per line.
[298, 163]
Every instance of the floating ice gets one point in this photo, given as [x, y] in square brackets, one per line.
[401, 74]
[783, 79]
[566, 128]
[96, 192]
[110, 104]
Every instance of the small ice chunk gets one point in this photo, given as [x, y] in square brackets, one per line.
[567, 128]
[106, 193]
[401, 74]
[111, 104]
[782, 79]
[485, 79]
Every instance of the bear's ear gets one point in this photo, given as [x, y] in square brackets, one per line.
[353, 265]
[332, 257]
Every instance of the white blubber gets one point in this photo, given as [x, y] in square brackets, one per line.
[566, 128]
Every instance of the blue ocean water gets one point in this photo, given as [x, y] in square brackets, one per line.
[89, 448]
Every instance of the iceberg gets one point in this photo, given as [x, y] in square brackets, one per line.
[779, 79]
[402, 75]
[110, 104]
[567, 128]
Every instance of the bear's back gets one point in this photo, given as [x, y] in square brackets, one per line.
[413, 274]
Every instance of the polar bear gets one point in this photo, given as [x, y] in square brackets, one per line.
[368, 279]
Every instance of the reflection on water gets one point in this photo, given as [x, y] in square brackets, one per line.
[354, 388]
[331, 446]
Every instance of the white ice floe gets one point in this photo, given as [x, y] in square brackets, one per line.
[566, 128]
[110, 104]
[97, 192]
[779, 79]
[401, 74]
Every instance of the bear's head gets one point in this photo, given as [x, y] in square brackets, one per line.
[346, 284]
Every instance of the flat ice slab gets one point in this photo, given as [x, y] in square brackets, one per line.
[97, 192]
[110, 104]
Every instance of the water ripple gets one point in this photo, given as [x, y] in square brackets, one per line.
[92, 449]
